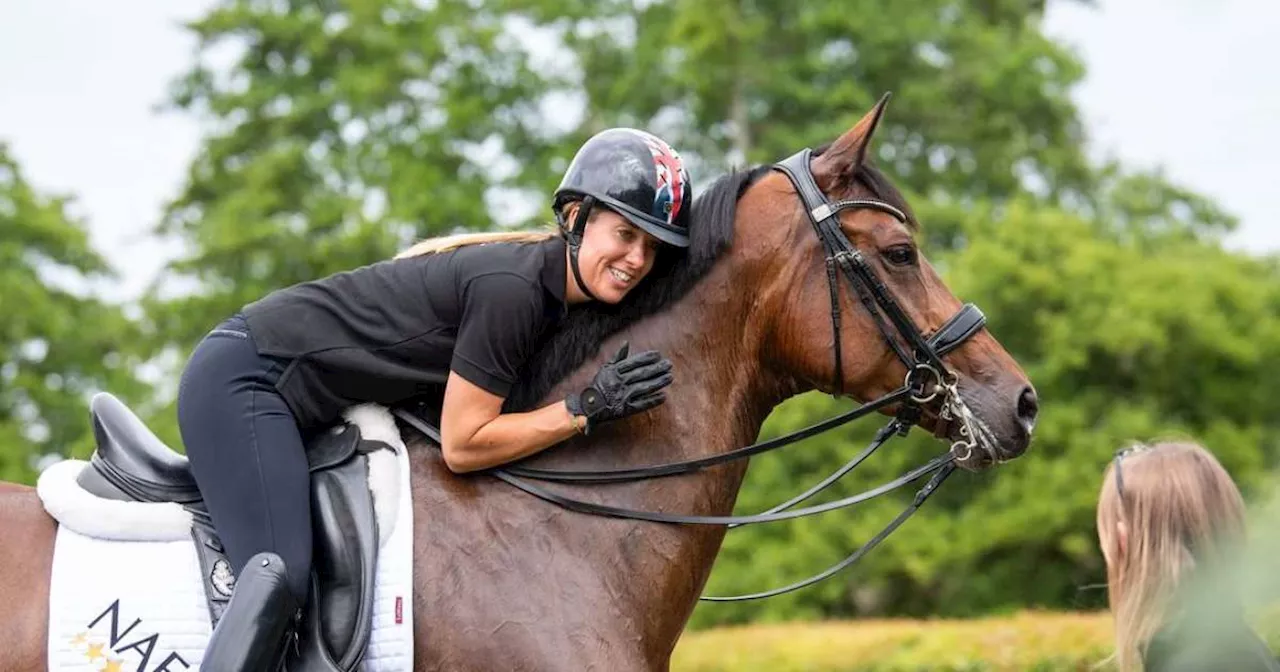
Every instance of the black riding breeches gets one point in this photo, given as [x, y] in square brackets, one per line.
[246, 451]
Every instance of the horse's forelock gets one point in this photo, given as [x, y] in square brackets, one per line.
[874, 180]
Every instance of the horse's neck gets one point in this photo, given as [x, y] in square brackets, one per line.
[721, 395]
[719, 398]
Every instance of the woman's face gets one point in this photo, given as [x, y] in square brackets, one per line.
[615, 255]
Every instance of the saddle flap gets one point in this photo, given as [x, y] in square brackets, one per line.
[339, 621]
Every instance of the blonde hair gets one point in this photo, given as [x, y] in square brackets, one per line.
[446, 243]
[1178, 507]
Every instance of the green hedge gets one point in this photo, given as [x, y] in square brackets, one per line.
[1025, 641]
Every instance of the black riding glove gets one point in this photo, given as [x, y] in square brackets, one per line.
[623, 386]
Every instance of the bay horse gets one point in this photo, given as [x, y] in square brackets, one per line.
[751, 316]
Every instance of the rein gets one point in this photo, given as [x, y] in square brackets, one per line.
[928, 381]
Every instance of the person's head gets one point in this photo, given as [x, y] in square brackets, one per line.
[624, 201]
[614, 255]
[1163, 509]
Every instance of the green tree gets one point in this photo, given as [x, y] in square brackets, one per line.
[344, 129]
[980, 102]
[1127, 337]
[58, 343]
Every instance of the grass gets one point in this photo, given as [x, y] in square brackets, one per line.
[1029, 640]
[1025, 641]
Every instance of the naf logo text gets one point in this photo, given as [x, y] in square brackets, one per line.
[110, 649]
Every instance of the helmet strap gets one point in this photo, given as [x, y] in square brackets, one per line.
[573, 235]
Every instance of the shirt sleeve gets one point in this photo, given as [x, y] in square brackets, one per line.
[502, 318]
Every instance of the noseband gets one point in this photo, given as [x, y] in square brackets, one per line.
[928, 381]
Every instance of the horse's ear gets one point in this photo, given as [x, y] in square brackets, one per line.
[838, 164]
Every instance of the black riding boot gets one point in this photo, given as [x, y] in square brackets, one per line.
[259, 621]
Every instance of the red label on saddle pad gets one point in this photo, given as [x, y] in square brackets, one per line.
[399, 610]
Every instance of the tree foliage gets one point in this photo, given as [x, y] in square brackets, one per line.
[343, 129]
[1125, 340]
[58, 343]
[339, 131]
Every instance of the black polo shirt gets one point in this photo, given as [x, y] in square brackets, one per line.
[393, 330]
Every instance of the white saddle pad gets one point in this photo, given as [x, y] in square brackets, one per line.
[127, 593]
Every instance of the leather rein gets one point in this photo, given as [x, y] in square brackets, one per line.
[928, 381]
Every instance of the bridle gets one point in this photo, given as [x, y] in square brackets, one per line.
[927, 375]
[928, 381]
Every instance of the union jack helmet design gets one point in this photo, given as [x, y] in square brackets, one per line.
[636, 174]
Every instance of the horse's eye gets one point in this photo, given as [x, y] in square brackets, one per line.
[901, 255]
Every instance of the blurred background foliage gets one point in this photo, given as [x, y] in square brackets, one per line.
[339, 131]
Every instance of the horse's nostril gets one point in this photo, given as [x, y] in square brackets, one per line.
[1028, 405]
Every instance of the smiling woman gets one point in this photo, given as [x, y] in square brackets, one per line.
[748, 312]
[615, 256]
[456, 318]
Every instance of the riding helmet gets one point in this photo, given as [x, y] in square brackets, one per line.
[636, 174]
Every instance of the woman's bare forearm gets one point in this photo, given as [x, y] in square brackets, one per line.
[512, 436]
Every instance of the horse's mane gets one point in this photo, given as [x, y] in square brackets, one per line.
[673, 275]
[587, 326]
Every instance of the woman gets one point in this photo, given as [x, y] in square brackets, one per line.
[1170, 519]
[447, 313]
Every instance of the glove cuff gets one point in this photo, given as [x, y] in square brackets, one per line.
[574, 403]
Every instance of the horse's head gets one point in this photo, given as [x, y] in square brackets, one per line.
[846, 267]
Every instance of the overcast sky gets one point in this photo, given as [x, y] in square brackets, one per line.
[79, 80]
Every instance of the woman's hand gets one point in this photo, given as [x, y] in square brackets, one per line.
[625, 385]
[477, 435]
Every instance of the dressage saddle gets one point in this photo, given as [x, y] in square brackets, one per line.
[132, 464]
